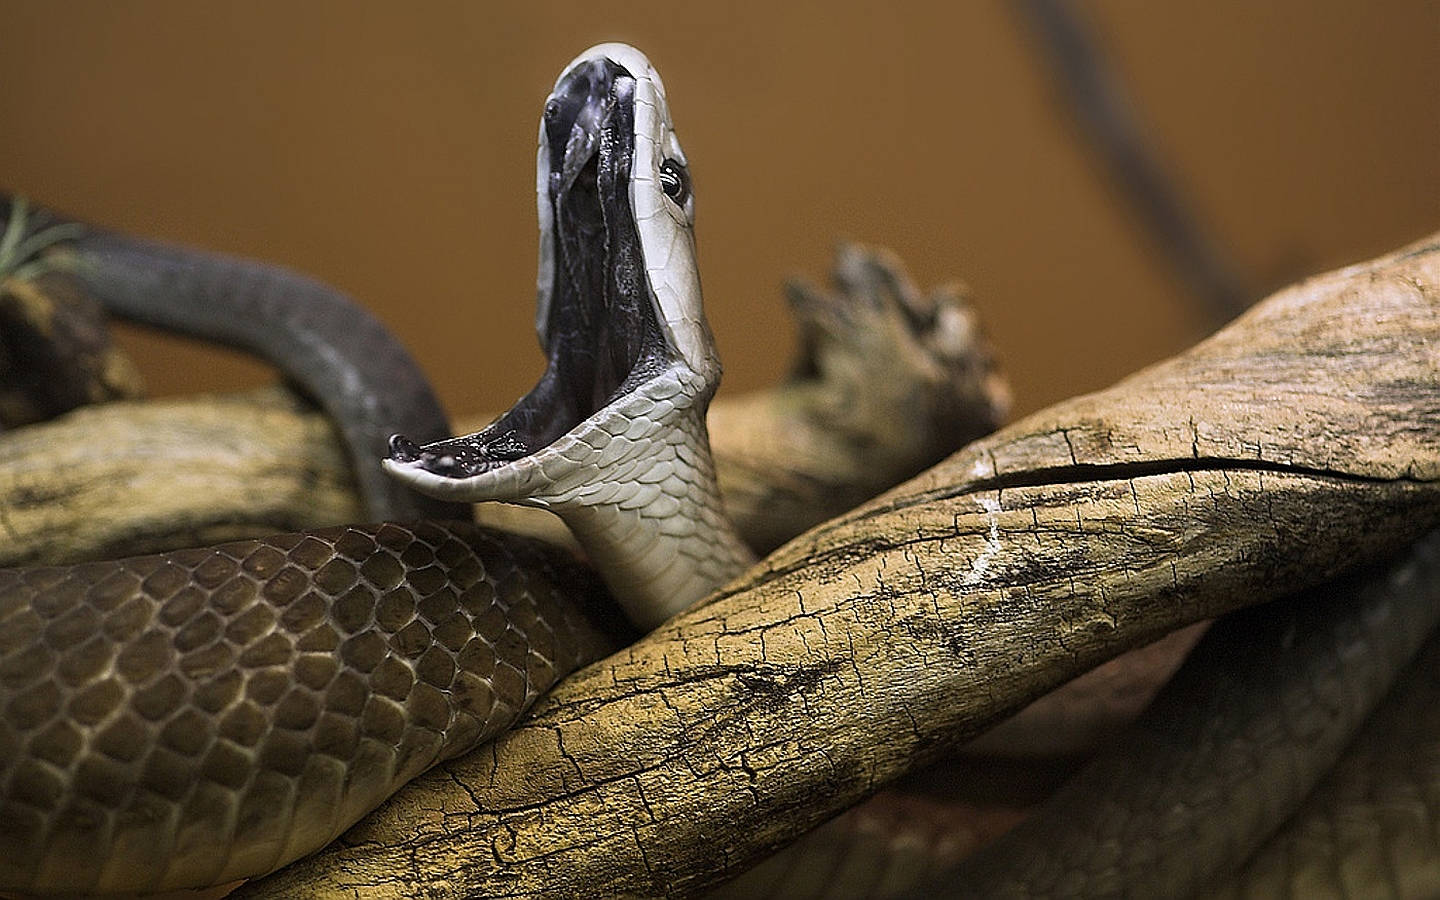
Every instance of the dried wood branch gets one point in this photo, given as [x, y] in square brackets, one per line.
[125, 478]
[55, 350]
[132, 478]
[1300, 442]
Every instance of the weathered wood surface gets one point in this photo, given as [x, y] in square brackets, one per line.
[55, 350]
[1300, 442]
[1229, 750]
[126, 478]
[889, 380]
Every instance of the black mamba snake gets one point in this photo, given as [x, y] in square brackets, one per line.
[194, 717]
[260, 696]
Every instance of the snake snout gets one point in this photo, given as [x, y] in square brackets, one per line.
[402, 449]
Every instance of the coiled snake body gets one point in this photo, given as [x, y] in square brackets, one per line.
[199, 716]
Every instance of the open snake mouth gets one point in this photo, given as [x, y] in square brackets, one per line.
[600, 329]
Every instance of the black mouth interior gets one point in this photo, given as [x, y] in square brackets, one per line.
[602, 335]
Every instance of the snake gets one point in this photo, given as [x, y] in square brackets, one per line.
[199, 716]
[610, 438]
[203, 715]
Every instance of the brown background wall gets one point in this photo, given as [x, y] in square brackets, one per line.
[388, 148]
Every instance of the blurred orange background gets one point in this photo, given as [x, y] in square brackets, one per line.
[389, 149]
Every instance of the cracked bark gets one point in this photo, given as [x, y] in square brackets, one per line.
[1300, 442]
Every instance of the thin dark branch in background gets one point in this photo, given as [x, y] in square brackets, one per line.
[1108, 119]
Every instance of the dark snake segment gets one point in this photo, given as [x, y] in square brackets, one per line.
[1228, 751]
[1373, 824]
[196, 716]
[334, 350]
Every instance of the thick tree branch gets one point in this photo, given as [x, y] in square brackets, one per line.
[1298, 443]
[125, 478]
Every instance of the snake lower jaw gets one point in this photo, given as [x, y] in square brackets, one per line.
[602, 450]
[636, 484]
[505, 482]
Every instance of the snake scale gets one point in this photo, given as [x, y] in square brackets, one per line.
[261, 695]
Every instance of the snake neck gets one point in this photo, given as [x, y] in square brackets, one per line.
[638, 490]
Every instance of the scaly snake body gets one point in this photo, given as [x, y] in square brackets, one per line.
[194, 717]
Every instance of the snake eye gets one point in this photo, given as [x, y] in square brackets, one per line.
[675, 181]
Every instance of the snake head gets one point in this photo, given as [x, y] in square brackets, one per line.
[618, 314]
[613, 436]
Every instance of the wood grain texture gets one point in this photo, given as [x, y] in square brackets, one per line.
[1227, 752]
[126, 478]
[1300, 442]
